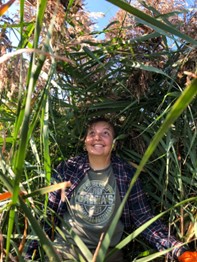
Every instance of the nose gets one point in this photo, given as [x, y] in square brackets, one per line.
[97, 136]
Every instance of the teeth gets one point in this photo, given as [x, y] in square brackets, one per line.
[98, 145]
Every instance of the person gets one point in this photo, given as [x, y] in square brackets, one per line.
[99, 181]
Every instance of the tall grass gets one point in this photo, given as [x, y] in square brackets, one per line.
[26, 167]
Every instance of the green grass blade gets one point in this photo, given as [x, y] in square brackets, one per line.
[41, 6]
[21, 153]
[182, 102]
[21, 18]
[154, 23]
[46, 243]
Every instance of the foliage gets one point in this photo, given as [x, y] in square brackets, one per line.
[61, 73]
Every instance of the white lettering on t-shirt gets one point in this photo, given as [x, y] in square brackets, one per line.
[95, 201]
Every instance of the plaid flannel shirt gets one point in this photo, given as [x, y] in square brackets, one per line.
[136, 211]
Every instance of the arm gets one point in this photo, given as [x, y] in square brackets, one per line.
[157, 233]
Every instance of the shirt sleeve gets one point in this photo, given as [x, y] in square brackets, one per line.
[157, 233]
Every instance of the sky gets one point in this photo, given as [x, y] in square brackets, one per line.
[101, 11]
[96, 7]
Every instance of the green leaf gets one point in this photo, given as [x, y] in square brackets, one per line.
[152, 22]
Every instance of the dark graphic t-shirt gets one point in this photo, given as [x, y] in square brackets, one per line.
[93, 206]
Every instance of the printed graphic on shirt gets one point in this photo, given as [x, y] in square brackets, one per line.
[95, 202]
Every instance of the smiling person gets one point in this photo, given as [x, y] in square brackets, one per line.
[99, 181]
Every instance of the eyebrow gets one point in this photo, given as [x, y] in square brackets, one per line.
[108, 128]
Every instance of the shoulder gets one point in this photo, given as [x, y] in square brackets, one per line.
[73, 161]
[70, 166]
[121, 163]
[77, 160]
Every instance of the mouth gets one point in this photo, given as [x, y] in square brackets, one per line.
[98, 146]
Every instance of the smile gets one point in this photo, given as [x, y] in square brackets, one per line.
[98, 145]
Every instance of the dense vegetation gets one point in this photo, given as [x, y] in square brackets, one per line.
[140, 71]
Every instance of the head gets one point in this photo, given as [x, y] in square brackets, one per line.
[99, 138]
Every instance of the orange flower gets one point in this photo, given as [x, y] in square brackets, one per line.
[188, 256]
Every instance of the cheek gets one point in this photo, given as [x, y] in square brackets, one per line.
[87, 141]
[109, 142]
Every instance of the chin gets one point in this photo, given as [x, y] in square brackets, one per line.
[96, 153]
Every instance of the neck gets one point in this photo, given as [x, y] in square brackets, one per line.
[99, 163]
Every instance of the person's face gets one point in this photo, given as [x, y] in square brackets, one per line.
[99, 139]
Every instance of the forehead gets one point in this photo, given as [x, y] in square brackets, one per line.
[101, 124]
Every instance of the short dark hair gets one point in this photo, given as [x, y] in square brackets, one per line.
[100, 119]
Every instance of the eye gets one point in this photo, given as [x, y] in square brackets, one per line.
[91, 133]
[106, 133]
